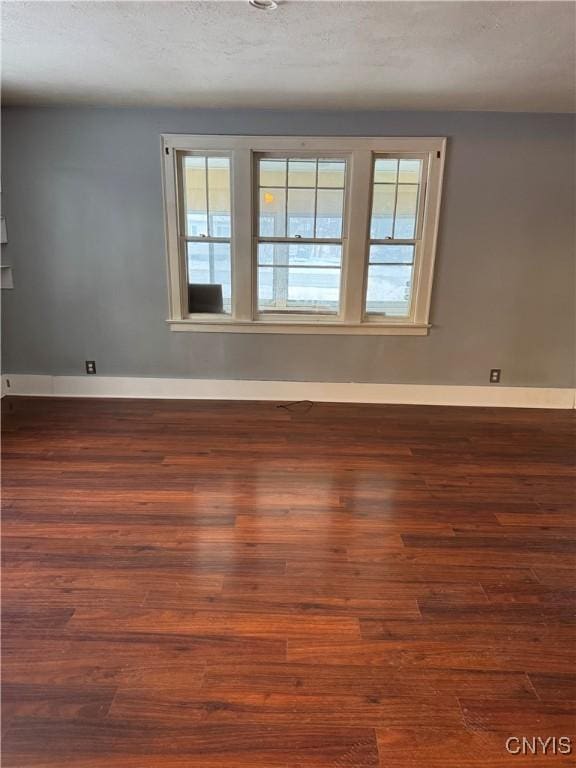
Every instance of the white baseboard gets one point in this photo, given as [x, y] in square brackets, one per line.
[329, 392]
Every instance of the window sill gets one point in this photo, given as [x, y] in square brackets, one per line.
[295, 327]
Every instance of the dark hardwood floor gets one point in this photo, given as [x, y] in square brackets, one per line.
[238, 585]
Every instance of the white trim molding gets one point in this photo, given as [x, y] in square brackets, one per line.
[297, 327]
[327, 392]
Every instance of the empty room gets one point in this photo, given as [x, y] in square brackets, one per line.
[288, 384]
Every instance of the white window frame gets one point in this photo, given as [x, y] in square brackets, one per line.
[360, 154]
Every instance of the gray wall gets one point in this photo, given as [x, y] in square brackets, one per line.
[82, 199]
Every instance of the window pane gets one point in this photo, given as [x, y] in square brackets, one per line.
[301, 212]
[272, 173]
[311, 211]
[299, 254]
[385, 171]
[389, 290]
[299, 276]
[331, 173]
[383, 211]
[406, 206]
[268, 252]
[329, 213]
[196, 213]
[314, 288]
[295, 288]
[410, 171]
[395, 254]
[396, 196]
[295, 276]
[219, 196]
[267, 288]
[207, 196]
[209, 265]
[272, 213]
[302, 173]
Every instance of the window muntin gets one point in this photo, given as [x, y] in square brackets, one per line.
[206, 232]
[300, 234]
[395, 232]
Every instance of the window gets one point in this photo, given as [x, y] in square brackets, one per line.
[206, 231]
[301, 234]
[394, 234]
[300, 227]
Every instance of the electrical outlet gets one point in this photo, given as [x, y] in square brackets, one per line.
[90, 366]
[495, 375]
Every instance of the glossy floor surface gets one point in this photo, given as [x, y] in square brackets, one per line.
[241, 585]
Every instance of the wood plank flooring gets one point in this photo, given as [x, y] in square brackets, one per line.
[242, 585]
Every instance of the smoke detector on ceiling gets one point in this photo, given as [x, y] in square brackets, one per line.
[264, 5]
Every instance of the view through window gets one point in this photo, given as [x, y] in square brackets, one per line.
[300, 228]
[393, 232]
[208, 229]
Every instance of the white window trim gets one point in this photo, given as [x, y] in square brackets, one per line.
[351, 319]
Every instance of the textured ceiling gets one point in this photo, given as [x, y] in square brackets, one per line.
[509, 56]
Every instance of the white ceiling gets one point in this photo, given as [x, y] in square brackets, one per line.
[508, 56]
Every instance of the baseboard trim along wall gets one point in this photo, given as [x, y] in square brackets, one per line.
[329, 392]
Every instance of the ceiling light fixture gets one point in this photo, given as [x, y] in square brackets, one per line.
[264, 5]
